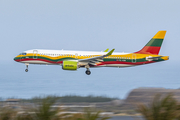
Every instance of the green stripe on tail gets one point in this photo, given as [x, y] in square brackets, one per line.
[154, 45]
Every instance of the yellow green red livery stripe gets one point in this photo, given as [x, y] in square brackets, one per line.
[112, 59]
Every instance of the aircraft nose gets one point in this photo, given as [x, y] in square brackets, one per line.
[15, 59]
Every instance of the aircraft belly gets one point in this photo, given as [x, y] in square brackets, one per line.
[35, 62]
[118, 65]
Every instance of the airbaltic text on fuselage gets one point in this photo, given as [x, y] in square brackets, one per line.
[69, 65]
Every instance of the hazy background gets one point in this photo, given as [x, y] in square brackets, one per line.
[92, 25]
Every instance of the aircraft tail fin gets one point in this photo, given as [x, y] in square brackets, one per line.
[154, 45]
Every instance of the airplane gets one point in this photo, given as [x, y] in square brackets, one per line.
[72, 60]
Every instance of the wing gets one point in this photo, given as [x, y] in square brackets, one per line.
[94, 60]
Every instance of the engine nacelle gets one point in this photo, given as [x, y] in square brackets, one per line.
[70, 65]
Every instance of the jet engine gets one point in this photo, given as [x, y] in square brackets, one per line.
[70, 65]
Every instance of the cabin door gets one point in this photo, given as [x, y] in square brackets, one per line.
[35, 54]
[133, 58]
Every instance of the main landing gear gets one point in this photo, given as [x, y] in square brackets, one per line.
[26, 67]
[88, 72]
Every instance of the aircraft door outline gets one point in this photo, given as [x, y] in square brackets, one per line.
[35, 54]
[133, 58]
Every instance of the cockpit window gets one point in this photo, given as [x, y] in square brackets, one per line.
[22, 54]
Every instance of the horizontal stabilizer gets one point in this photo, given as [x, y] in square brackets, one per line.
[152, 58]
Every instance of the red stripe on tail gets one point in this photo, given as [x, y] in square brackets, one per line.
[149, 50]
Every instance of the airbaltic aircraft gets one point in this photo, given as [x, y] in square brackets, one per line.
[72, 60]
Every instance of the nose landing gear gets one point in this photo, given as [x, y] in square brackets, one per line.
[26, 70]
[26, 67]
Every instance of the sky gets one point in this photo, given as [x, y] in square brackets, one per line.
[87, 25]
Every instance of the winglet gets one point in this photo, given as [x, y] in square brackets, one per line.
[109, 53]
[106, 50]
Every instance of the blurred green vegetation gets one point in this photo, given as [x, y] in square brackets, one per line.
[43, 110]
[163, 107]
[73, 98]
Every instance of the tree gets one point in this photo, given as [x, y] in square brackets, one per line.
[161, 108]
[46, 112]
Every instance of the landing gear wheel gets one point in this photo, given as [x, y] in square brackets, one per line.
[88, 72]
[26, 70]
